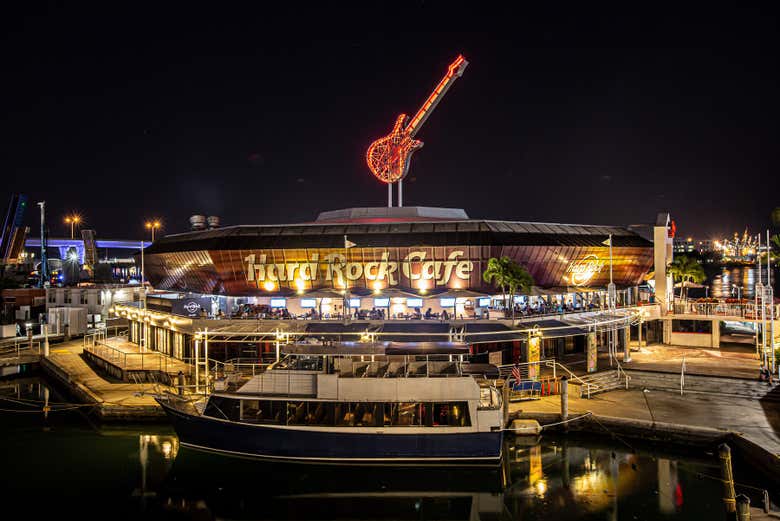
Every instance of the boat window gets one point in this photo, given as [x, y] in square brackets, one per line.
[223, 408]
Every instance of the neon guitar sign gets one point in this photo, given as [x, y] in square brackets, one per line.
[388, 157]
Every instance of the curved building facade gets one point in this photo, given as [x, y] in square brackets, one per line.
[412, 250]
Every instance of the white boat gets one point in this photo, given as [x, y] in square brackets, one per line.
[352, 402]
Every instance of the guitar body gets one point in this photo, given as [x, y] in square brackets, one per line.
[388, 157]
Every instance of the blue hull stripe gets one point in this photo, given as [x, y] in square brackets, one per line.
[268, 442]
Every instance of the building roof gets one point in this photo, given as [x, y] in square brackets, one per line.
[394, 232]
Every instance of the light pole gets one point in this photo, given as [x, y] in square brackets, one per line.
[153, 225]
[72, 220]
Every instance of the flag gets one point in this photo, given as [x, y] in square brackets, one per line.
[348, 244]
[516, 373]
[608, 242]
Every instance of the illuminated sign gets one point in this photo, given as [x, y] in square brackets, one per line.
[447, 302]
[192, 307]
[414, 302]
[308, 303]
[483, 302]
[581, 271]
[354, 302]
[278, 302]
[332, 269]
[382, 302]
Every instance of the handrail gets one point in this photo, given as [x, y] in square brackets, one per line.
[621, 371]
[587, 385]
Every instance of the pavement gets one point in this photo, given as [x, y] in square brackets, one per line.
[758, 423]
[734, 362]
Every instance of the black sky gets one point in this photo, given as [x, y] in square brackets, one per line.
[125, 111]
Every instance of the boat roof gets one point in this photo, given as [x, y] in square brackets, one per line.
[377, 348]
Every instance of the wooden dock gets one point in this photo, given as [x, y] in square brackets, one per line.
[113, 401]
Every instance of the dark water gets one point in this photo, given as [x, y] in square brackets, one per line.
[734, 281]
[64, 467]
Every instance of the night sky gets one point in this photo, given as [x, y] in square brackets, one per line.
[124, 111]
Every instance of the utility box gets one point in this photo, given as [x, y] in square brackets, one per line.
[74, 318]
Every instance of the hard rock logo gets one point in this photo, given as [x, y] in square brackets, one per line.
[583, 270]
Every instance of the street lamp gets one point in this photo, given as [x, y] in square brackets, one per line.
[153, 225]
[72, 220]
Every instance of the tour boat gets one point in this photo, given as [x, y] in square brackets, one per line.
[352, 402]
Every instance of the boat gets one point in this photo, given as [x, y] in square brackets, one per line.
[370, 403]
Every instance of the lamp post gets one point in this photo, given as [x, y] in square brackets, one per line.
[153, 225]
[72, 220]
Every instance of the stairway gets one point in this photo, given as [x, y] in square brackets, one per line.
[600, 382]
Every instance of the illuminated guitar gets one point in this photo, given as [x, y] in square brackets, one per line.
[388, 157]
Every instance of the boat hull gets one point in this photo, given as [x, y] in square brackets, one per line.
[321, 446]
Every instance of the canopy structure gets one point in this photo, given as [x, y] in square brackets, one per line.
[377, 348]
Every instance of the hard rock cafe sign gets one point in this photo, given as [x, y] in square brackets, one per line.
[334, 270]
[582, 271]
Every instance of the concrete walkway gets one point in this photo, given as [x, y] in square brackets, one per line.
[734, 362]
[758, 422]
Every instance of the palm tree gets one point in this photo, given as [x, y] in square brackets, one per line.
[508, 275]
[774, 251]
[686, 269]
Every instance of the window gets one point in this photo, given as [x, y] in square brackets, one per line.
[100, 298]
[68, 297]
[82, 297]
[52, 297]
[692, 326]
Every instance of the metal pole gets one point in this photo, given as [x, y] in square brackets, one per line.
[770, 290]
[44, 271]
[197, 363]
[206, 356]
[400, 193]
[389, 195]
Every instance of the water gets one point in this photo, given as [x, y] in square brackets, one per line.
[65, 466]
[734, 281]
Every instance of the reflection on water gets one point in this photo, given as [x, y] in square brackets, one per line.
[736, 281]
[143, 473]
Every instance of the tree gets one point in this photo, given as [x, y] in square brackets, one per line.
[508, 275]
[685, 269]
[774, 251]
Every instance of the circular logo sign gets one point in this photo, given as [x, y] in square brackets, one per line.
[581, 271]
[191, 307]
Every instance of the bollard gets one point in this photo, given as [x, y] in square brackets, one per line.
[729, 495]
[564, 399]
[180, 382]
[743, 508]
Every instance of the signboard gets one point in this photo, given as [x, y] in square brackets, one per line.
[308, 303]
[382, 302]
[534, 348]
[278, 302]
[191, 307]
[495, 358]
[483, 302]
[354, 302]
[581, 272]
[447, 302]
[414, 302]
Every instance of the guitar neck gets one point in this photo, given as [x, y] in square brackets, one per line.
[454, 71]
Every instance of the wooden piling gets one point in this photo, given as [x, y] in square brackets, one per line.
[743, 508]
[564, 399]
[729, 495]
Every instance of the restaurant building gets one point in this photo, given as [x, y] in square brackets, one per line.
[395, 259]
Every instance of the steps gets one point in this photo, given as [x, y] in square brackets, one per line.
[716, 385]
[600, 382]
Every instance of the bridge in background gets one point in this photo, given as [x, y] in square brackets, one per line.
[65, 244]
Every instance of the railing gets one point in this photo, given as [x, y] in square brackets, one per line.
[505, 371]
[19, 345]
[746, 309]
[128, 361]
[622, 373]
